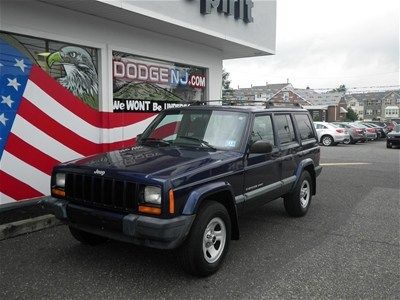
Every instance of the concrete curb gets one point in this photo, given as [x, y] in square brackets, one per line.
[26, 226]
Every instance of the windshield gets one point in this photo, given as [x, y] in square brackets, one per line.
[210, 129]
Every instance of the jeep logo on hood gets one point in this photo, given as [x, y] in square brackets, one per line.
[98, 172]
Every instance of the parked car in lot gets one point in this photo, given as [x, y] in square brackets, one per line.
[330, 134]
[391, 125]
[370, 133]
[193, 171]
[393, 137]
[356, 134]
[384, 125]
[379, 130]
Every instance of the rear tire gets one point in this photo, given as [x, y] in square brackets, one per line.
[86, 237]
[208, 242]
[297, 202]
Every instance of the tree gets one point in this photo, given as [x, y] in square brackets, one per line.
[226, 85]
[351, 115]
[342, 89]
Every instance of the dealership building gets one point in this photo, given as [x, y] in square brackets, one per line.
[82, 77]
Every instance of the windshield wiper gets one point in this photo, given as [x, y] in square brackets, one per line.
[161, 141]
[203, 142]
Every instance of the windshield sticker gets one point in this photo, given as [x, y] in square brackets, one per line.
[230, 143]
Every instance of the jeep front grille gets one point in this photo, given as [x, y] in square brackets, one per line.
[101, 192]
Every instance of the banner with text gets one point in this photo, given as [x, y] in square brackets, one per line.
[148, 85]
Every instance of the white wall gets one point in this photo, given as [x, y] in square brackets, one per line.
[52, 22]
[260, 34]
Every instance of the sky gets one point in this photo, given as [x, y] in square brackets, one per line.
[325, 43]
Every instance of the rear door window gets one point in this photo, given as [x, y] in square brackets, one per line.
[262, 129]
[284, 127]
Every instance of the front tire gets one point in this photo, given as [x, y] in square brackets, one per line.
[297, 202]
[86, 237]
[208, 241]
[327, 140]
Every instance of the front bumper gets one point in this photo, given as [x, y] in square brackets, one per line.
[132, 228]
[394, 141]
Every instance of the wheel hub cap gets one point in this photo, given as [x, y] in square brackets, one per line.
[304, 194]
[214, 240]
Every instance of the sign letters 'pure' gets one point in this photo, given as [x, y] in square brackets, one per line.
[240, 9]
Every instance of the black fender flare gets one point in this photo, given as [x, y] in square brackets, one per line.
[208, 191]
[308, 165]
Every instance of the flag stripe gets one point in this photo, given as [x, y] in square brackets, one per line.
[49, 106]
[68, 100]
[64, 135]
[54, 129]
[15, 189]
[5, 198]
[52, 108]
[41, 141]
[29, 175]
[30, 155]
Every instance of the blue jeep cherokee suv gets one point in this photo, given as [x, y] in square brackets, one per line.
[192, 173]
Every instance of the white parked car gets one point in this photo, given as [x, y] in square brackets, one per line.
[330, 134]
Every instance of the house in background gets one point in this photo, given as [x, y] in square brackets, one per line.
[372, 102]
[391, 105]
[329, 107]
[355, 105]
[379, 105]
[277, 93]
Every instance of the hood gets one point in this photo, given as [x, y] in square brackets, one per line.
[155, 163]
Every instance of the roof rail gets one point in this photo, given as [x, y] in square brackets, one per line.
[237, 102]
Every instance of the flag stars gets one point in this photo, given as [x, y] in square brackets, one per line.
[14, 83]
[20, 64]
[7, 100]
[3, 119]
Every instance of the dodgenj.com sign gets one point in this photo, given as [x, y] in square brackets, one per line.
[148, 85]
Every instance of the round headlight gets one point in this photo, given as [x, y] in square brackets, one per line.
[60, 180]
[152, 194]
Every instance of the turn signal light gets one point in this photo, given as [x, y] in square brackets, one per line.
[171, 202]
[150, 210]
[58, 192]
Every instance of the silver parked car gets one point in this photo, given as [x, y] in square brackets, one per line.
[330, 134]
[370, 133]
[356, 134]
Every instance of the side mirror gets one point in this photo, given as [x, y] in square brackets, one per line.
[261, 147]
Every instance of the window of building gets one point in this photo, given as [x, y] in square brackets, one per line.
[73, 66]
[368, 112]
[305, 126]
[286, 96]
[263, 130]
[284, 127]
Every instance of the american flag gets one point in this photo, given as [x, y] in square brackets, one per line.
[43, 124]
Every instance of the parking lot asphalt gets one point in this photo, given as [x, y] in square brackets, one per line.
[347, 246]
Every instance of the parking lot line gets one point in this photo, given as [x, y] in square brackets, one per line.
[345, 164]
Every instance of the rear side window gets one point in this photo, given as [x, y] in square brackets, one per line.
[284, 127]
[305, 126]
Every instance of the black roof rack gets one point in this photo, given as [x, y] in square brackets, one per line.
[237, 102]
